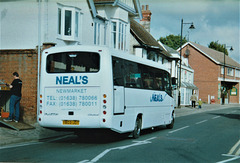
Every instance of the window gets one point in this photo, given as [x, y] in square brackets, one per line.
[59, 20]
[182, 75]
[159, 80]
[167, 83]
[118, 71]
[237, 73]
[118, 34]
[152, 56]
[182, 90]
[229, 71]
[148, 78]
[222, 70]
[122, 36]
[132, 75]
[76, 23]
[99, 32]
[68, 23]
[73, 62]
[135, 75]
[189, 77]
[114, 34]
[185, 75]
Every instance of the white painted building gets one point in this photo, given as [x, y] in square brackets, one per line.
[187, 77]
[26, 23]
[187, 86]
[144, 45]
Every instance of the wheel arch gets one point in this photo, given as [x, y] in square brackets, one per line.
[140, 116]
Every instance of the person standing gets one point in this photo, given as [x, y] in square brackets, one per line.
[16, 94]
[200, 103]
[193, 99]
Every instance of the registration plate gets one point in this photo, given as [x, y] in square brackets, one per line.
[70, 122]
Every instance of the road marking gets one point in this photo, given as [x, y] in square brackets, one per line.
[228, 160]
[234, 148]
[178, 129]
[34, 142]
[20, 145]
[201, 122]
[98, 157]
[227, 155]
[238, 152]
[216, 117]
[231, 153]
[83, 161]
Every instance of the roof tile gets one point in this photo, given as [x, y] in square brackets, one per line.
[145, 37]
[216, 55]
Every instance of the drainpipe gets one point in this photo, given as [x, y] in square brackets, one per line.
[39, 52]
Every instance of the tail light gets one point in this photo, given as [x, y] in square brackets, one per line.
[104, 101]
[104, 106]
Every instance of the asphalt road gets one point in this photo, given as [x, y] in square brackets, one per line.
[204, 137]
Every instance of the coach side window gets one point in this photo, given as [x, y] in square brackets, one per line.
[118, 69]
[132, 75]
[148, 77]
[158, 84]
[167, 83]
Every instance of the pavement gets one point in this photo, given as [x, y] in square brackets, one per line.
[10, 136]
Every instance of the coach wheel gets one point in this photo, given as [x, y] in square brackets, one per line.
[137, 128]
[170, 126]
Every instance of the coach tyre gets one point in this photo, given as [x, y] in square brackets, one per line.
[137, 128]
[170, 126]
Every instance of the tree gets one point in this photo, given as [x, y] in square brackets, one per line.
[173, 41]
[219, 47]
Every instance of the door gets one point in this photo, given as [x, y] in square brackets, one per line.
[227, 97]
[119, 102]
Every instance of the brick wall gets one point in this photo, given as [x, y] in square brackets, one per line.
[234, 99]
[25, 63]
[205, 74]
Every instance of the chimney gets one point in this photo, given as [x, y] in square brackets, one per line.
[146, 13]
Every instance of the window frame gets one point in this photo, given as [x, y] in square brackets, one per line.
[75, 23]
[114, 34]
[119, 36]
[99, 35]
[237, 73]
[222, 70]
[56, 64]
[230, 71]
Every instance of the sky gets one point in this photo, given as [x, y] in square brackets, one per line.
[214, 20]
